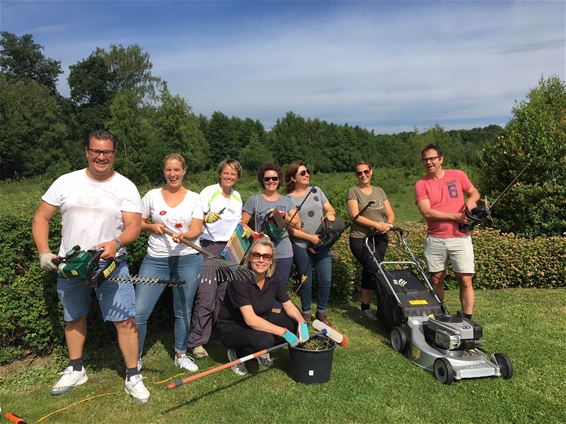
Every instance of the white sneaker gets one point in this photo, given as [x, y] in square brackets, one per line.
[186, 362]
[369, 314]
[69, 380]
[200, 352]
[136, 389]
[239, 369]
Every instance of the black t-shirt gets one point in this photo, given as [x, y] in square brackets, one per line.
[241, 293]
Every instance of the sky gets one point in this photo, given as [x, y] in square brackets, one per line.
[389, 66]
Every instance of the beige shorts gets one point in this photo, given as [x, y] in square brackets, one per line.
[458, 250]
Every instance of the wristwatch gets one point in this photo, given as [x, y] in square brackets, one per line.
[118, 244]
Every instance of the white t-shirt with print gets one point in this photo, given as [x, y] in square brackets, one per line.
[91, 210]
[177, 219]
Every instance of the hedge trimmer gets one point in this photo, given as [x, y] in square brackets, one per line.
[85, 264]
[478, 214]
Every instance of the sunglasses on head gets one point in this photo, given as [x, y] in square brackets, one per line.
[270, 179]
[265, 256]
[304, 172]
[364, 172]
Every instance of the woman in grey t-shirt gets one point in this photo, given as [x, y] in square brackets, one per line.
[314, 206]
[259, 206]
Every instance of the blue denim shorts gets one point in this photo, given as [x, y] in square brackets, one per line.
[116, 300]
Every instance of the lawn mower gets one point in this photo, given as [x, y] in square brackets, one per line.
[421, 327]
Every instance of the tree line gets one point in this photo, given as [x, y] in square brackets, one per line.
[42, 132]
[114, 88]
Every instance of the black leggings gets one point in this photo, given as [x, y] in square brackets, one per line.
[246, 340]
[370, 271]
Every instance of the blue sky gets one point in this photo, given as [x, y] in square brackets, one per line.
[385, 65]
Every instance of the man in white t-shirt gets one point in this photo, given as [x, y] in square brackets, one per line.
[100, 209]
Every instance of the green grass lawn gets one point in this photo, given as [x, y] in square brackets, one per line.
[370, 382]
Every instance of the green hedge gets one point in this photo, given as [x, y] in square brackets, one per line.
[31, 319]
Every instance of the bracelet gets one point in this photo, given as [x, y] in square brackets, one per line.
[118, 244]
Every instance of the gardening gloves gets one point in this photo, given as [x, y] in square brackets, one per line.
[46, 261]
[290, 338]
[303, 332]
[211, 217]
[247, 233]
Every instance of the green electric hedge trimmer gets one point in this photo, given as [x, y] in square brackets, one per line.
[85, 264]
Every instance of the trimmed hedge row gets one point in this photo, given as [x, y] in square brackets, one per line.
[31, 317]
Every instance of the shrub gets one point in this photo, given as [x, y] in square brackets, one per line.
[31, 319]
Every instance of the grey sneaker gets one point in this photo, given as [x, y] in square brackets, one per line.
[186, 362]
[69, 380]
[136, 389]
[200, 352]
[265, 360]
[239, 369]
[369, 314]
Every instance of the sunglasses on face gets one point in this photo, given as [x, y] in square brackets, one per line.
[364, 172]
[265, 256]
[304, 172]
[266, 179]
[431, 159]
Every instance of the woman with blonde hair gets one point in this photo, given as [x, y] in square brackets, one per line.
[246, 321]
[177, 209]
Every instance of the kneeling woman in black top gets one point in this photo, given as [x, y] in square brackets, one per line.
[246, 322]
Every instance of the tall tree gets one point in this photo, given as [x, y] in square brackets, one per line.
[32, 137]
[21, 58]
[535, 135]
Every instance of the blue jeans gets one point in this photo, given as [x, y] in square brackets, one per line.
[305, 261]
[185, 268]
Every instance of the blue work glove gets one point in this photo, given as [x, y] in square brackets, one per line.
[303, 332]
[290, 338]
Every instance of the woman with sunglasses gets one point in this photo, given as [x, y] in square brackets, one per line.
[177, 209]
[246, 322]
[261, 207]
[314, 207]
[374, 224]
[222, 206]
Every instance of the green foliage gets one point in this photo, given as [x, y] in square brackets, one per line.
[31, 136]
[536, 135]
[502, 261]
[22, 59]
[254, 154]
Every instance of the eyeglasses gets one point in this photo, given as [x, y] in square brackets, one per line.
[264, 256]
[105, 153]
[304, 172]
[364, 172]
[266, 179]
[432, 159]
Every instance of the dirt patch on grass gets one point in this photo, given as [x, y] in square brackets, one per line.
[32, 361]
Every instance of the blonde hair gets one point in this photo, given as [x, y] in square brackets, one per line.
[232, 163]
[263, 241]
[174, 156]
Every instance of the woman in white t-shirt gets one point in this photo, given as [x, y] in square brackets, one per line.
[175, 208]
[222, 206]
